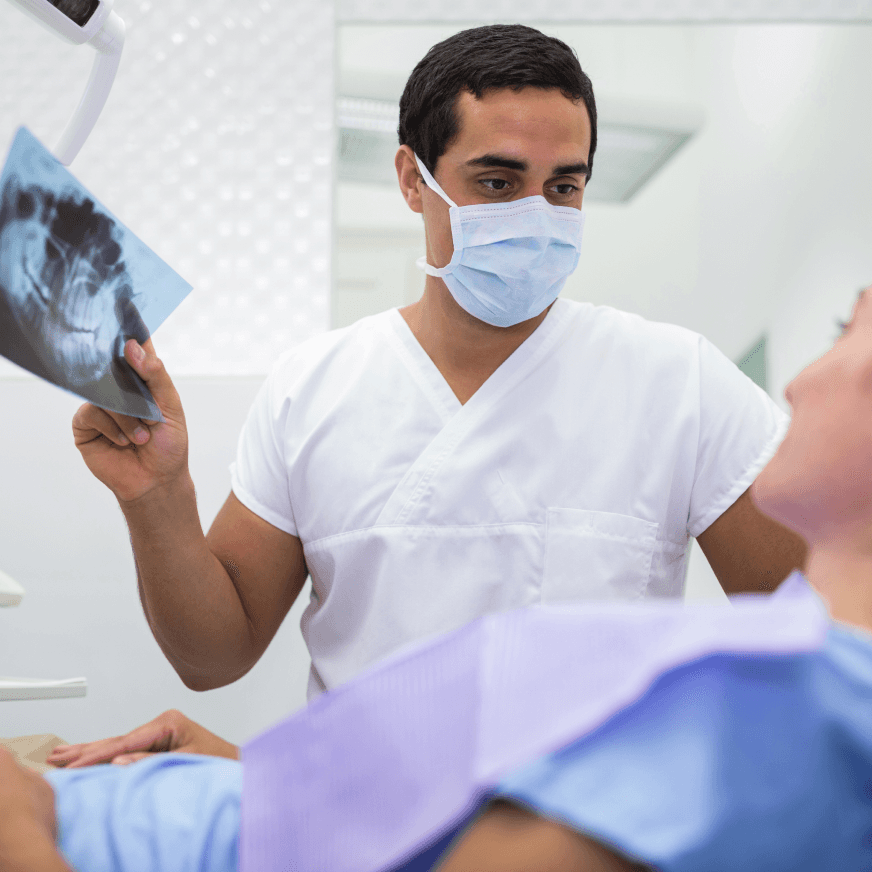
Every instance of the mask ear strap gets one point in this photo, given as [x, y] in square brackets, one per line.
[432, 183]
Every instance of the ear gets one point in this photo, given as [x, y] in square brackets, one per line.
[409, 178]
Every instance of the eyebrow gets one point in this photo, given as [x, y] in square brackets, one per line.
[493, 161]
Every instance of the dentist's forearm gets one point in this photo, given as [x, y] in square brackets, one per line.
[188, 596]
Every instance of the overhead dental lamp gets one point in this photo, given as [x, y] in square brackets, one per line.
[78, 22]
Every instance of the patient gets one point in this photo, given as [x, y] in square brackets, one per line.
[743, 760]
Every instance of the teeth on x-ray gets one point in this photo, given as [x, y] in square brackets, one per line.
[65, 280]
[75, 284]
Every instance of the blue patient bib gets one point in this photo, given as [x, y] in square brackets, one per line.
[737, 762]
[167, 813]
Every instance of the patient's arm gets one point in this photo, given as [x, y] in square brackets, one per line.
[171, 731]
[508, 838]
[29, 850]
[27, 821]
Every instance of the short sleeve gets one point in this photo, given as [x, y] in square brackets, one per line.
[740, 428]
[259, 475]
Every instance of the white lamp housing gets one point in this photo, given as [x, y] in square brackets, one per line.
[104, 30]
[11, 592]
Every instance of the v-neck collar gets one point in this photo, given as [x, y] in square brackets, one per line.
[434, 384]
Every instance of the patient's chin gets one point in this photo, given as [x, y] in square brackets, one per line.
[782, 501]
[760, 492]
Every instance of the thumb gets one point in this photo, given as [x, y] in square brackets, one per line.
[148, 366]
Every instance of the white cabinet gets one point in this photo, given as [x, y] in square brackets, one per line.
[11, 594]
[40, 688]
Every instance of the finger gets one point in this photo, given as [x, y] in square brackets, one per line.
[87, 755]
[150, 369]
[155, 736]
[101, 752]
[91, 422]
[63, 758]
[64, 752]
[150, 737]
[127, 759]
[73, 750]
[60, 758]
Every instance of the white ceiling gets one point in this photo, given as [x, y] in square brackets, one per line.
[424, 11]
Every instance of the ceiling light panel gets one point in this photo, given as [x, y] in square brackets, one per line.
[634, 142]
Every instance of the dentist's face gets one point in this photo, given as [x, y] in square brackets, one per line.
[819, 482]
[63, 296]
[511, 145]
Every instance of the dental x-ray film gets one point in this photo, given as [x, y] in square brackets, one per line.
[76, 284]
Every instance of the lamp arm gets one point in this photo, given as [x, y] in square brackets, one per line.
[108, 43]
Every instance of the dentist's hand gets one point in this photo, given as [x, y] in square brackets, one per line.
[169, 732]
[130, 456]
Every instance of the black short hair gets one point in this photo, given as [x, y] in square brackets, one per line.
[479, 60]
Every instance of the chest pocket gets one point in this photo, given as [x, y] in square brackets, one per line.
[596, 556]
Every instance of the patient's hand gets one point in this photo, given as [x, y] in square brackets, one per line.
[171, 731]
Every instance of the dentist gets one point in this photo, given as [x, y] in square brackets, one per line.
[488, 447]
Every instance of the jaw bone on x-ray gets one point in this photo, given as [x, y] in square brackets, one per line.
[75, 284]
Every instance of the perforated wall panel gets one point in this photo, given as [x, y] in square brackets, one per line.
[216, 148]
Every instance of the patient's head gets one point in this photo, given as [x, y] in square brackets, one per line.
[819, 482]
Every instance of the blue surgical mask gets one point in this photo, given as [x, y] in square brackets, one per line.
[511, 260]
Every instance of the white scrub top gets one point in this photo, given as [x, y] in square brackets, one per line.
[577, 472]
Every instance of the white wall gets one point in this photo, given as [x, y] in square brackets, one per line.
[63, 537]
[832, 209]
